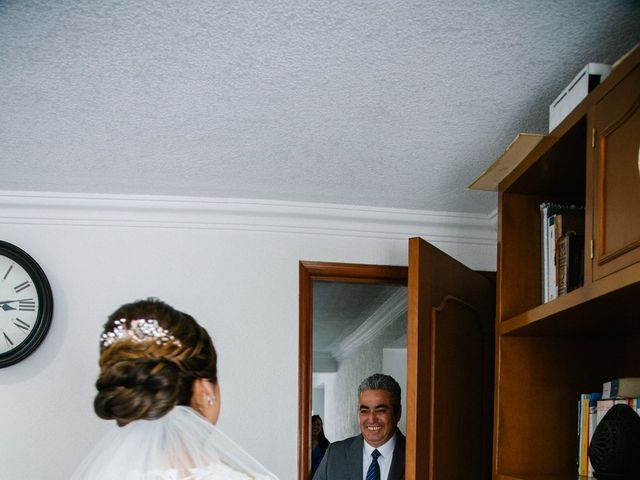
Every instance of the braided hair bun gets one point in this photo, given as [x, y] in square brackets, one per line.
[150, 355]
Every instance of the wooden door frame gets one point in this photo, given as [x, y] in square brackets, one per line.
[325, 272]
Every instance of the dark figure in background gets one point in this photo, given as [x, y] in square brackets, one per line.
[319, 442]
[379, 450]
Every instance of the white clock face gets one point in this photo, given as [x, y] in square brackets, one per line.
[19, 305]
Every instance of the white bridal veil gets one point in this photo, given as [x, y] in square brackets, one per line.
[182, 445]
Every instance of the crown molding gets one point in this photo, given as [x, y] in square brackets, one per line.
[394, 307]
[46, 208]
[324, 362]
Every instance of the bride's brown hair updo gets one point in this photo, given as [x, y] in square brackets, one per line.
[144, 377]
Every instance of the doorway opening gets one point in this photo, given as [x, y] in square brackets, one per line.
[358, 310]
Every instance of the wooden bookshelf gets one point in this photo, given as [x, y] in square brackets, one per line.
[547, 354]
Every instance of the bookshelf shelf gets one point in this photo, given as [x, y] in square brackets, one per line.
[547, 354]
[578, 312]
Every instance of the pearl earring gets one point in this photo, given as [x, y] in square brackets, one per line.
[210, 400]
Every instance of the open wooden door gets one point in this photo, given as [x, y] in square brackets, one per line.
[449, 368]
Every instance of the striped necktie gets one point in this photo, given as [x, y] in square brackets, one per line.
[374, 469]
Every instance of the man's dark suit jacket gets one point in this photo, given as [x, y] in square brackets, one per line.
[343, 460]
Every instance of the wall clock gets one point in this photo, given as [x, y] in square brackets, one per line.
[26, 304]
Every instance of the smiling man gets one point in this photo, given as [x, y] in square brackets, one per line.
[378, 453]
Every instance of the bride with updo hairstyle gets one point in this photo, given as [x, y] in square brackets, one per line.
[158, 380]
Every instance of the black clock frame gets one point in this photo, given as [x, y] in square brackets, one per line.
[45, 312]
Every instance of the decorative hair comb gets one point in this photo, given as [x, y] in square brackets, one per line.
[141, 330]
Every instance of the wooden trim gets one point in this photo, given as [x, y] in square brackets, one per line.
[325, 272]
[355, 272]
[420, 395]
[305, 354]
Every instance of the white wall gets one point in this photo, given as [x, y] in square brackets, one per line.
[233, 265]
[317, 400]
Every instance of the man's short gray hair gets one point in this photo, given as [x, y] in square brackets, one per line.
[379, 381]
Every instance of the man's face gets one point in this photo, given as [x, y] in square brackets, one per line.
[377, 418]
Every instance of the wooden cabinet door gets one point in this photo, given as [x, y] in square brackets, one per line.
[617, 180]
[450, 349]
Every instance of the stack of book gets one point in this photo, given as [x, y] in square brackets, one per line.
[592, 407]
[562, 240]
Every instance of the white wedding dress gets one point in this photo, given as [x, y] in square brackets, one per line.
[182, 445]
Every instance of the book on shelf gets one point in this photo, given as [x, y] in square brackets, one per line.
[587, 410]
[555, 220]
[626, 387]
[569, 262]
[552, 287]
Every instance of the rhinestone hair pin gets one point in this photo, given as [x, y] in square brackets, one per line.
[141, 330]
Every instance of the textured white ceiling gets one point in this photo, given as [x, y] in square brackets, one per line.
[365, 102]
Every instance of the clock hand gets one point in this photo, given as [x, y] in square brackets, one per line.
[7, 307]
[2, 302]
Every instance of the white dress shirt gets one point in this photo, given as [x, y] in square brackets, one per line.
[384, 460]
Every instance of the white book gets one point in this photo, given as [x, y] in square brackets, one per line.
[551, 258]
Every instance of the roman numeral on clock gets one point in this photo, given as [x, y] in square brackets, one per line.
[22, 286]
[22, 324]
[7, 340]
[8, 272]
[27, 305]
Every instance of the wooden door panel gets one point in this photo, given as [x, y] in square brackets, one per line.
[451, 324]
[458, 364]
[617, 207]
